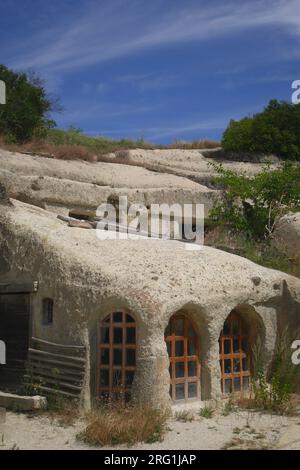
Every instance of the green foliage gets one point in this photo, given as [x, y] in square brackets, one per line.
[253, 204]
[275, 393]
[98, 144]
[25, 114]
[206, 412]
[276, 131]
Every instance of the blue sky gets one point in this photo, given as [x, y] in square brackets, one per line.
[159, 69]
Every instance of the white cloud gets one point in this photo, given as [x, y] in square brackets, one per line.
[116, 29]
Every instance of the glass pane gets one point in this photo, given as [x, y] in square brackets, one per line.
[104, 335]
[244, 345]
[179, 349]
[104, 396]
[104, 356]
[236, 345]
[227, 346]
[117, 357]
[237, 384]
[235, 327]
[117, 378]
[130, 357]
[118, 335]
[236, 365]
[227, 366]
[245, 363]
[227, 386]
[104, 378]
[129, 319]
[191, 348]
[130, 335]
[191, 331]
[192, 369]
[169, 347]
[179, 369]
[179, 327]
[129, 377]
[192, 390]
[226, 328]
[179, 391]
[246, 383]
[118, 316]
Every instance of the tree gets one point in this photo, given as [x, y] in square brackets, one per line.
[276, 130]
[252, 205]
[26, 112]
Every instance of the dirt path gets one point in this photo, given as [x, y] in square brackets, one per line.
[239, 430]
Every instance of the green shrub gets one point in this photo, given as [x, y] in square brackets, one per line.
[25, 114]
[252, 205]
[274, 393]
[206, 412]
[276, 130]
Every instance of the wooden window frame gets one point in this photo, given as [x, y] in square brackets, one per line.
[120, 391]
[185, 359]
[233, 316]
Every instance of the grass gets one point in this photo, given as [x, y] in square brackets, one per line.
[184, 416]
[116, 425]
[206, 412]
[72, 144]
[229, 407]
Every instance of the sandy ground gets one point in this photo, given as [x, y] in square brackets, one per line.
[238, 430]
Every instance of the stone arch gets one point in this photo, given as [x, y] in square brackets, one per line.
[114, 347]
[197, 315]
[239, 350]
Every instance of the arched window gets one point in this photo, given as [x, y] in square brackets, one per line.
[116, 356]
[183, 349]
[234, 355]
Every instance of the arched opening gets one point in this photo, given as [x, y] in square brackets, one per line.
[183, 349]
[235, 355]
[116, 361]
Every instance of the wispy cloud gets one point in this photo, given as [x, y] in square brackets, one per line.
[159, 132]
[116, 29]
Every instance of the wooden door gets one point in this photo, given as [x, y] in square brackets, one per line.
[14, 331]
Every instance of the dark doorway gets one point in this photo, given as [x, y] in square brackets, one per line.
[14, 331]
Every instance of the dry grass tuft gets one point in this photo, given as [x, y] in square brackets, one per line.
[115, 425]
[184, 416]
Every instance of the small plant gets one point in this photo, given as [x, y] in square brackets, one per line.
[229, 407]
[31, 383]
[206, 412]
[184, 416]
[116, 424]
[275, 394]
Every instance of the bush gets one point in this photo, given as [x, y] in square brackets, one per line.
[25, 114]
[274, 394]
[116, 424]
[276, 131]
[206, 412]
[252, 205]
